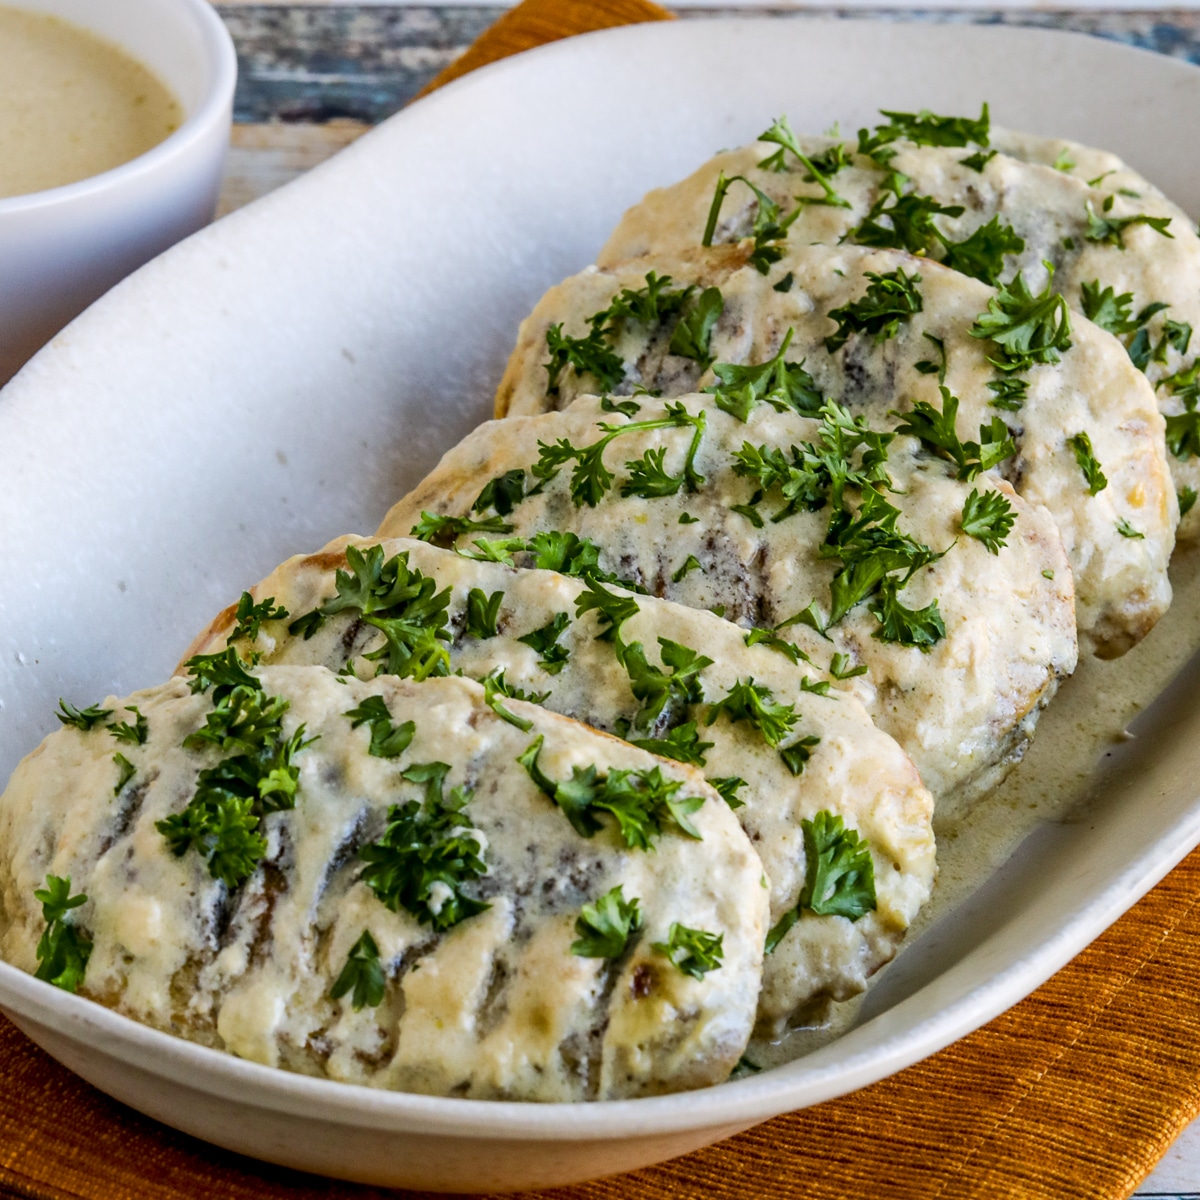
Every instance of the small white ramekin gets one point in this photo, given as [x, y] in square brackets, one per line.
[62, 248]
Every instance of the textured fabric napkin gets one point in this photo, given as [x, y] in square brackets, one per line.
[1074, 1093]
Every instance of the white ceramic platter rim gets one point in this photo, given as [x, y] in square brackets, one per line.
[61, 376]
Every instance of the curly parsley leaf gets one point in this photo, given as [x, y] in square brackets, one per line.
[682, 744]
[428, 854]
[482, 611]
[727, 787]
[1026, 329]
[83, 719]
[979, 160]
[503, 493]
[782, 136]
[1110, 230]
[443, 531]
[1187, 500]
[612, 611]
[640, 801]
[248, 617]
[692, 951]
[670, 690]
[1105, 308]
[982, 254]
[1175, 334]
[136, 733]
[1126, 530]
[772, 640]
[125, 772]
[989, 518]
[388, 740]
[1081, 443]
[587, 355]
[890, 300]
[1009, 393]
[544, 641]
[752, 702]
[783, 385]
[920, 627]
[839, 876]
[936, 430]
[693, 333]
[909, 222]
[495, 687]
[648, 478]
[362, 976]
[690, 564]
[63, 949]
[926, 128]
[605, 927]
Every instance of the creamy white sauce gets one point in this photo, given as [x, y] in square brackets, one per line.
[72, 104]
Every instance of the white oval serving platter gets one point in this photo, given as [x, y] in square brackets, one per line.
[283, 376]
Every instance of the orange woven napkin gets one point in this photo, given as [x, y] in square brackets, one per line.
[1074, 1094]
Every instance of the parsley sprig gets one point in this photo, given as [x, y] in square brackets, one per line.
[890, 300]
[936, 430]
[839, 875]
[641, 801]
[544, 641]
[1026, 329]
[781, 135]
[428, 853]
[63, 949]
[605, 927]
[249, 616]
[783, 385]
[388, 740]
[988, 517]
[1183, 429]
[693, 951]
[496, 689]
[83, 719]
[1085, 456]
[1110, 230]
[927, 128]
[399, 601]
[362, 976]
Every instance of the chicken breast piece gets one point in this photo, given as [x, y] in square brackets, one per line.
[975, 642]
[1139, 280]
[533, 629]
[400, 903]
[1119, 533]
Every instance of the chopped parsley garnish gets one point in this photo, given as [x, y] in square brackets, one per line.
[63, 949]
[682, 743]
[891, 299]
[443, 531]
[259, 778]
[839, 876]
[136, 733]
[693, 333]
[482, 611]
[1088, 464]
[772, 640]
[688, 519]
[362, 975]
[936, 431]
[591, 479]
[248, 617]
[83, 719]
[627, 408]
[587, 355]
[1183, 429]
[840, 668]
[979, 160]
[1126, 530]
[1105, 308]
[982, 254]
[640, 801]
[1175, 334]
[496, 687]
[693, 951]
[927, 366]
[989, 518]
[647, 305]
[782, 136]
[544, 641]
[917, 627]
[648, 478]
[1064, 162]
[783, 385]
[605, 927]
[926, 128]
[388, 740]
[1009, 392]
[727, 787]
[785, 284]
[752, 702]
[798, 753]
[1110, 230]
[427, 854]
[770, 226]
[612, 611]
[1187, 500]
[503, 493]
[126, 771]
[1026, 329]
[399, 601]
[672, 690]
[691, 563]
